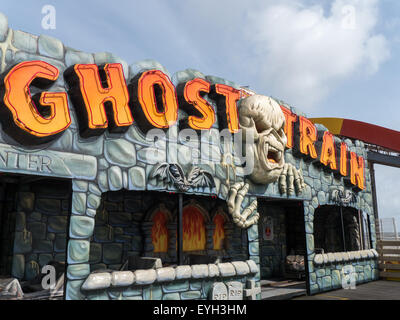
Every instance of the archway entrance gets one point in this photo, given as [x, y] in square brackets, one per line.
[34, 220]
[282, 248]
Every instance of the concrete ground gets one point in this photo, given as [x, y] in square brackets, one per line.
[375, 290]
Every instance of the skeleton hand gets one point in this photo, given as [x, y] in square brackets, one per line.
[291, 179]
[237, 193]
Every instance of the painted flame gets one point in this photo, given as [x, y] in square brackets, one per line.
[219, 232]
[159, 232]
[194, 231]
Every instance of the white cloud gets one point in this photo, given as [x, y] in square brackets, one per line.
[302, 52]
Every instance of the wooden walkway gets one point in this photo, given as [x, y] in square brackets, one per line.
[282, 290]
[375, 290]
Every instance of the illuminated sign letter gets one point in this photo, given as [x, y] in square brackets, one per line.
[39, 118]
[100, 95]
[343, 159]
[357, 170]
[154, 102]
[201, 113]
[308, 135]
[328, 151]
[290, 119]
[228, 104]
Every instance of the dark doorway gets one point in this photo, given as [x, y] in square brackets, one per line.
[34, 220]
[282, 239]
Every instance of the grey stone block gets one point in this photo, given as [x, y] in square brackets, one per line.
[18, 266]
[137, 178]
[93, 201]
[73, 57]
[213, 270]
[241, 267]
[3, 27]
[78, 271]
[107, 57]
[171, 296]
[44, 259]
[25, 41]
[151, 155]
[81, 227]
[48, 206]
[120, 152]
[95, 253]
[78, 251]
[122, 278]
[112, 253]
[165, 274]
[23, 242]
[26, 201]
[51, 47]
[78, 203]
[20, 221]
[186, 75]
[253, 266]
[79, 186]
[146, 64]
[176, 286]
[31, 270]
[97, 281]
[115, 178]
[145, 276]
[40, 245]
[199, 271]
[226, 269]
[191, 295]
[58, 224]
[183, 272]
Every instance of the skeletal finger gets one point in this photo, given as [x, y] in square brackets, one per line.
[291, 179]
[233, 192]
[303, 184]
[251, 221]
[240, 195]
[249, 210]
[297, 181]
[282, 179]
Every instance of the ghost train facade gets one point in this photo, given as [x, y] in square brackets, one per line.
[130, 181]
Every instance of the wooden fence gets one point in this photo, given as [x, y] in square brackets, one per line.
[389, 259]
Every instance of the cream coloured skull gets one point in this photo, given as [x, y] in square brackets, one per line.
[262, 116]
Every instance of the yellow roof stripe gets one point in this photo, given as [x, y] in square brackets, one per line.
[334, 125]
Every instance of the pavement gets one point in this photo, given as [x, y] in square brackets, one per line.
[375, 290]
[281, 290]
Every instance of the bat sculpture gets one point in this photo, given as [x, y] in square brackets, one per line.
[173, 173]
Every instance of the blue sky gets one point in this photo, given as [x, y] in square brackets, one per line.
[337, 58]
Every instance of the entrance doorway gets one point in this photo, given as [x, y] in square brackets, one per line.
[34, 219]
[282, 248]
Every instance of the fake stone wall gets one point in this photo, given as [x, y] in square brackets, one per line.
[179, 283]
[273, 252]
[320, 185]
[38, 216]
[113, 162]
[122, 229]
[7, 227]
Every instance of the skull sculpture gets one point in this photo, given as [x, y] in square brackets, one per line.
[262, 118]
